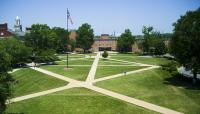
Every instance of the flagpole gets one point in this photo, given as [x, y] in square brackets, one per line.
[67, 18]
[67, 34]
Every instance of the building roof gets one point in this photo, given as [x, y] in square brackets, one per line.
[102, 39]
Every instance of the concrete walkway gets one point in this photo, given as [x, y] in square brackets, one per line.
[93, 69]
[38, 94]
[54, 75]
[141, 64]
[14, 70]
[122, 74]
[134, 101]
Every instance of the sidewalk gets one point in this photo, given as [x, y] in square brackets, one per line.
[93, 69]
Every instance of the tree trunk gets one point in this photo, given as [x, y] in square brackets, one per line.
[194, 76]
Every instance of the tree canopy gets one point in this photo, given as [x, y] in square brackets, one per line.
[185, 43]
[42, 39]
[153, 42]
[85, 37]
[125, 41]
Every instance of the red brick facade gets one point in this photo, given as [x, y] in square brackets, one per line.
[4, 30]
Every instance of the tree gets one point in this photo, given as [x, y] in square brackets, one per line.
[153, 42]
[62, 39]
[41, 39]
[160, 48]
[125, 41]
[5, 79]
[185, 44]
[105, 54]
[85, 37]
[147, 31]
[16, 49]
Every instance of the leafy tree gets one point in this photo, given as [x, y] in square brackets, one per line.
[105, 54]
[153, 42]
[160, 48]
[5, 78]
[41, 39]
[16, 49]
[147, 31]
[85, 37]
[185, 41]
[125, 41]
[62, 39]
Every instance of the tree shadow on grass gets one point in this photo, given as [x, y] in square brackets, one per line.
[182, 82]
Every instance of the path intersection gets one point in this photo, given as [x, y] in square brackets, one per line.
[89, 84]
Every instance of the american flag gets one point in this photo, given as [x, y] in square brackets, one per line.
[69, 17]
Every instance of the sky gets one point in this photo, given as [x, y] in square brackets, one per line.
[104, 16]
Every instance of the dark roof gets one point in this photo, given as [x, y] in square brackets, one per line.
[104, 34]
[4, 26]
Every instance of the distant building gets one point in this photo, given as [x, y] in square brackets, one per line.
[17, 26]
[72, 35]
[105, 42]
[4, 32]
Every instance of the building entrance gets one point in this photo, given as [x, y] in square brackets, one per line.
[105, 48]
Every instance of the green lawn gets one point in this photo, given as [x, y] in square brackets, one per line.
[123, 54]
[30, 81]
[145, 60]
[112, 62]
[103, 71]
[64, 56]
[158, 87]
[85, 61]
[75, 101]
[78, 73]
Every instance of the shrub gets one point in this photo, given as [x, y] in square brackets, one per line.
[105, 54]
[171, 67]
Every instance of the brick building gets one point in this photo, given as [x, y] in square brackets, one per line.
[105, 42]
[4, 32]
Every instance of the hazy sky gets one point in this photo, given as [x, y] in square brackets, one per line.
[105, 16]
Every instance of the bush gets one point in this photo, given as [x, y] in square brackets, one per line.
[105, 54]
[171, 67]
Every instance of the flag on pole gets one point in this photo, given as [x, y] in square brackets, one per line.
[69, 17]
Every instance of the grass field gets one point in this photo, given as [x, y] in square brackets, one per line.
[78, 73]
[84, 61]
[103, 71]
[112, 62]
[30, 81]
[64, 56]
[139, 59]
[75, 101]
[155, 86]
[158, 87]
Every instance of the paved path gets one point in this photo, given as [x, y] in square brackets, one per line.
[98, 65]
[113, 61]
[122, 74]
[54, 75]
[134, 101]
[141, 64]
[14, 70]
[39, 94]
[93, 69]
